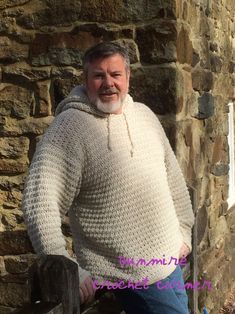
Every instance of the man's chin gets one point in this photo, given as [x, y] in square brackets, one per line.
[109, 107]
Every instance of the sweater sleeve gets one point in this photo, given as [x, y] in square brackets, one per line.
[179, 192]
[52, 184]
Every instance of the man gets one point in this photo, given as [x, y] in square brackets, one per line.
[106, 160]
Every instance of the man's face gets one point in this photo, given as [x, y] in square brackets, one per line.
[107, 82]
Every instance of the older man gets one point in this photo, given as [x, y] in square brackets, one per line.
[107, 162]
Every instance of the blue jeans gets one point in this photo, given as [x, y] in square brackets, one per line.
[155, 299]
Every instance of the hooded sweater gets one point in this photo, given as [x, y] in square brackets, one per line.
[120, 183]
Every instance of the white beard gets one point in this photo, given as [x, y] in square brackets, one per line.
[109, 107]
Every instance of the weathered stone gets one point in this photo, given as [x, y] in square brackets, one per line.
[123, 11]
[19, 264]
[219, 169]
[7, 25]
[6, 309]
[12, 183]
[65, 72]
[217, 151]
[224, 85]
[184, 47]
[11, 220]
[12, 127]
[9, 3]
[223, 208]
[10, 199]
[220, 231]
[11, 51]
[216, 63]
[62, 87]
[202, 80]
[205, 106]
[2, 266]
[43, 99]
[14, 147]
[15, 101]
[23, 73]
[9, 166]
[62, 48]
[12, 294]
[15, 242]
[202, 222]
[157, 42]
[132, 49]
[153, 85]
[55, 13]
[231, 67]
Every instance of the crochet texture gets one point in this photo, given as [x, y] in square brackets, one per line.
[121, 184]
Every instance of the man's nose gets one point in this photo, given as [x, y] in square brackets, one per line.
[108, 81]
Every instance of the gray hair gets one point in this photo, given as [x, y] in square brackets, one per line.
[105, 49]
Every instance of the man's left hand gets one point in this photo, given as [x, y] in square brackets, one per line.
[184, 250]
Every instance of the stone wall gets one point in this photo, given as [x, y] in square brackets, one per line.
[182, 56]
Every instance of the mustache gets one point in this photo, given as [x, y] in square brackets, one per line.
[111, 90]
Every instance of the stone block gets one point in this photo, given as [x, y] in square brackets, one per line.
[132, 49]
[9, 3]
[218, 149]
[10, 166]
[43, 99]
[24, 73]
[61, 48]
[123, 11]
[14, 243]
[62, 87]
[13, 127]
[12, 219]
[10, 199]
[51, 13]
[19, 264]
[9, 183]
[15, 101]
[157, 87]
[11, 51]
[202, 80]
[13, 294]
[219, 169]
[216, 63]
[157, 42]
[205, 106]
[184, 47]
[14, 147]
[6, 309]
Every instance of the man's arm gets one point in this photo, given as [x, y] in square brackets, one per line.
[51, 186]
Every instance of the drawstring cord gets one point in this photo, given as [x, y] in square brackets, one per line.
[109, 131]
[129, 135]
[128, 132]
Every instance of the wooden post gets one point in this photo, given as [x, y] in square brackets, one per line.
[54, 285]
[194, 259]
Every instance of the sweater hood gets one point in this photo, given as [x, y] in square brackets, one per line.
[78, 99]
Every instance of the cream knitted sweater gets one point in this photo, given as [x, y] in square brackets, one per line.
[120, 182]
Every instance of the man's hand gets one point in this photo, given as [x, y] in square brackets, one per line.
[86, 291]
[184, 250]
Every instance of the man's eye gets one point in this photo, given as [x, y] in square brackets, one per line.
[98, 75]
[117, 74]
